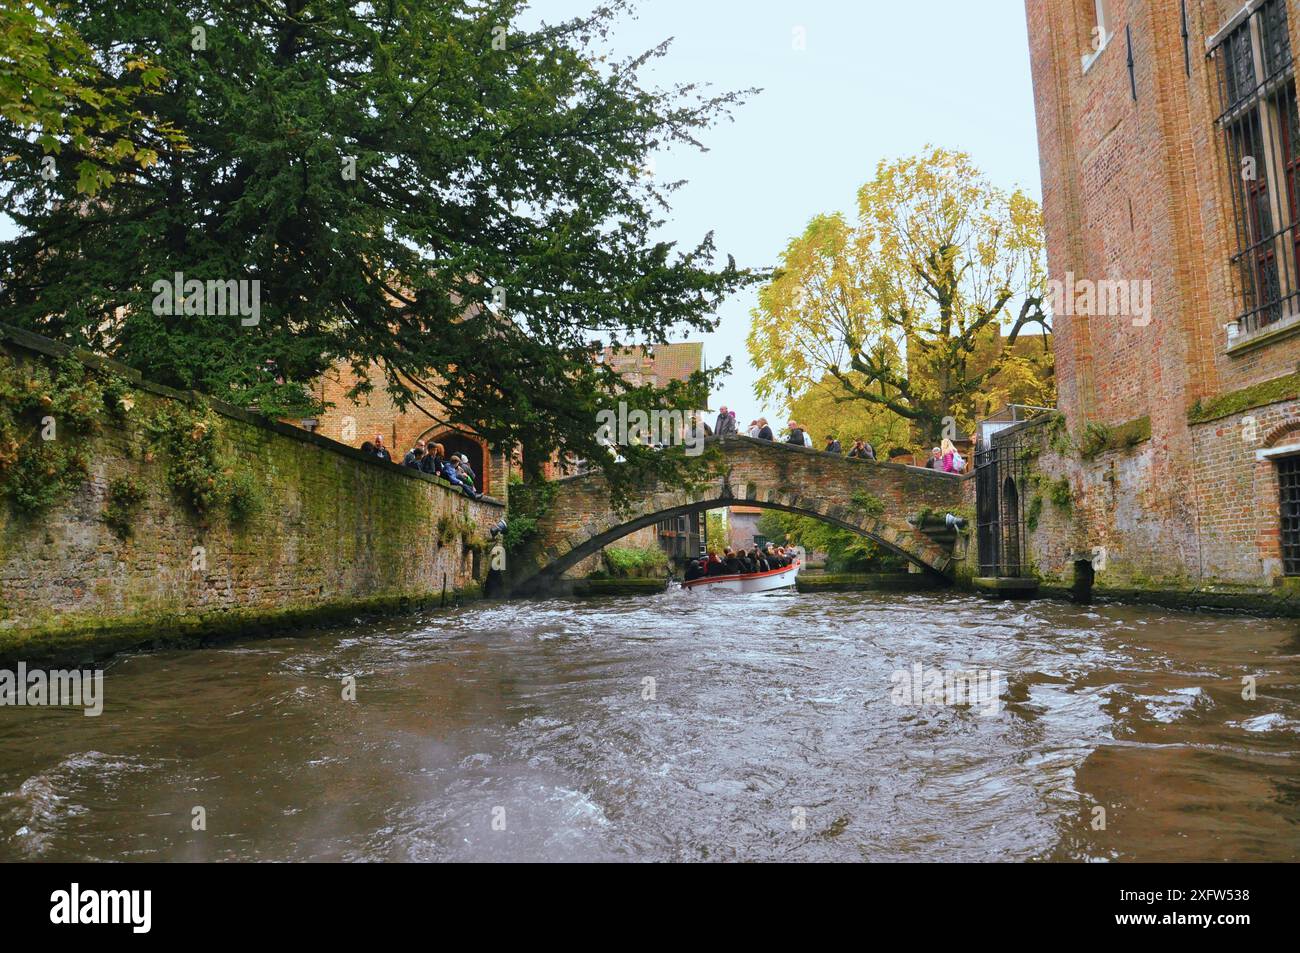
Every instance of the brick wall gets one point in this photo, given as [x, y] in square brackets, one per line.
[1139, 190]
[337, 532]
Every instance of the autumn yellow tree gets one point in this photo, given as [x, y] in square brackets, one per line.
[905, 309]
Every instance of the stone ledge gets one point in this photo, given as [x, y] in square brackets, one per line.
[1006, 586]
[69, 642]
[867, 582]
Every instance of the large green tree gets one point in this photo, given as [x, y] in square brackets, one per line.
[422, 186]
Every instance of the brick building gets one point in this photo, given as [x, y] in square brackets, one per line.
[354, 421]
[1170, 152]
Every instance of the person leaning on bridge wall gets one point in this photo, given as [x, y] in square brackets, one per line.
[726, 423]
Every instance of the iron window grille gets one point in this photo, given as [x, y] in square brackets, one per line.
[1288, 478]
[1260, 130]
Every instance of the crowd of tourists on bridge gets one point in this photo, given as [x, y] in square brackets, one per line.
[945, 458]
[433, 460]
[739, 562]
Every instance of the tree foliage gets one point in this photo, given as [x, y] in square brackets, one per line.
[845, 550]
[57, 98]
[498, 224]
[905, 308]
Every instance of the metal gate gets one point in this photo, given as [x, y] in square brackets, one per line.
[1000, 483]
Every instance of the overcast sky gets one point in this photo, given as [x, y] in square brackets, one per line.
[878, 79]
[875, 79]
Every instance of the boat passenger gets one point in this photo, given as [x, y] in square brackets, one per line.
[715, 564]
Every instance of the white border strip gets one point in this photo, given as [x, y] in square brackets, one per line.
[1272, 453]
[1234, 21]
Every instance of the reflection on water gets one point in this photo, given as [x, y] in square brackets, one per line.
[681, 727]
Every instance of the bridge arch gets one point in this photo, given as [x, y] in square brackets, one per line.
[877, 500]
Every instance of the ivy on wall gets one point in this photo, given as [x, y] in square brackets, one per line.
[46, 413]
[50, 409]
[529, 504]
[188, 439]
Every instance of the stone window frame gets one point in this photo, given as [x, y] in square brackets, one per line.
[1097, 14]
[1281, 443]
[1260, 114]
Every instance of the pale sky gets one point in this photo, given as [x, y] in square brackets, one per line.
[876, 79]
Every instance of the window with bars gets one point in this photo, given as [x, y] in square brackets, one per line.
[1288, 478]
[1260, 129]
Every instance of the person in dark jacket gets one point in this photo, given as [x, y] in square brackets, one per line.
[730, 564]
[764, 431]
[833, 445]
[415, 454]
[464, 471]
[862, 450]
[444, 468]
[693, 570]
[715, 564]
[796, 435]
[380, 450]
[726, 424]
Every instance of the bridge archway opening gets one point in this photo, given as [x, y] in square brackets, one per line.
[550, 573]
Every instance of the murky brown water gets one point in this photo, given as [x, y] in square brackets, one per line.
[533, 715]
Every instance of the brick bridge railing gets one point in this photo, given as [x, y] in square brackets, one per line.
[878, 500]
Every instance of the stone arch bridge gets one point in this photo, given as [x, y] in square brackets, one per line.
[881, 501]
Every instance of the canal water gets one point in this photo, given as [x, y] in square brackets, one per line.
[681, 727]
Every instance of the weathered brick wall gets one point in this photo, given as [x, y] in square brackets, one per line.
[1139, 190]
[758, 473]
[337, 532]
[1226, 548]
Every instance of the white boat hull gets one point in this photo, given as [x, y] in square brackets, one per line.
[751, 582]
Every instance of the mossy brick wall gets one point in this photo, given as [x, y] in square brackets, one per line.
[1214, 539]
[337, 533]
[752, 472]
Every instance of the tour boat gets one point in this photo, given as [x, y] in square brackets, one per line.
[749, 582]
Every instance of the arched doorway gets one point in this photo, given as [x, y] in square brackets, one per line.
[458, 442]
[1010, 528]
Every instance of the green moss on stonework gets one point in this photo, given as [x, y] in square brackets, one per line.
[1247, 398]
[1102, 438]
[77, 639]
[1034, 512]
[866, 503]
[1060, 493]
[1058, 435]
